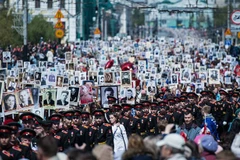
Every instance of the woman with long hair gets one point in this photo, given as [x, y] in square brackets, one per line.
[137, 149]
[120, 139]
[10, 102]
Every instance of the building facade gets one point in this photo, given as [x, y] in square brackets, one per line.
[179, 14]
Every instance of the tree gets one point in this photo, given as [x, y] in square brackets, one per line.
[137, 18]
[8, 35]
[38, 28]
[220, 17]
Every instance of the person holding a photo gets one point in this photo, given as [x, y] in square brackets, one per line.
[10, 102]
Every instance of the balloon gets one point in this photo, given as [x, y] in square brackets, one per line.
[109, 64]
[126, 66]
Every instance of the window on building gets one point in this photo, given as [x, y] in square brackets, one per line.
[62, 3]
[50, 3]
[37, 3]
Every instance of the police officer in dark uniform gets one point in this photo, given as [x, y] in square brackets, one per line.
[7, 151]
[83, 132]
[27, 119]
[26, 150]
[76, 119]
[26, 137]
[56, 132]
[152, 120]
[170, 110]
[178, 114]
[144, 119]
[196, 112]
[104, 130]
[135, 122]
[162, 110]
[116, 108]
[125, 119]
[69, 133]
[225, 112]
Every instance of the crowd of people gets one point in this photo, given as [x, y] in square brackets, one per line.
[121, 100]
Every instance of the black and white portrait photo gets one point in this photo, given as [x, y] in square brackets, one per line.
[38, 76]
[214, 76]
[24, 98]
[174, 78]
[106, 91]
[59, 82]
[6, 57]
[63, 98]
[9, 103]
[108, 77]
[100, 79]
[142, 67]
[49, 98]
[203, 76]
[35, 96]
[26, 65]
[93, 76]
[185, 75]
[126, 78]
[20, 63]
[11, 85]
[74, 95]
[130, 94]
[199, 87]
[43, 64]
[68, 56]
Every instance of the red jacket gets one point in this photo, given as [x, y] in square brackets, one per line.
[208, 155]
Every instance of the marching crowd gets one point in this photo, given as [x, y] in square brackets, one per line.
[163, 121]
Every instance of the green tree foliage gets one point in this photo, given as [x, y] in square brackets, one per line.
[137, 17]
[220, 17]
[8, 35]
[38, 28]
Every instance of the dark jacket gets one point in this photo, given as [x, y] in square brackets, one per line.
[142, 154]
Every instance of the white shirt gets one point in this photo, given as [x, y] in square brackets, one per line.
[119, 136]
[50, 56]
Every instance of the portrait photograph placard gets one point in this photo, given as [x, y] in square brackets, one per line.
[142, 67]
[130, 94]
[6, 57]
[126, 78]
[9, 103]
[108, 77]
[24, 100]
[86, 94]
[35, 96]
[185, 75]
[106, 91]
[214, 76]
[93, 76]
[49, 98]
[63, 98]
[174, 79]
[74, 95]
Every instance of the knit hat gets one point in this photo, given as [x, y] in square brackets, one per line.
[209, 144]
